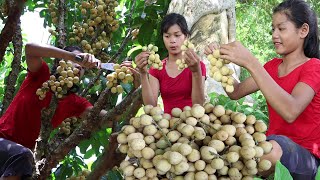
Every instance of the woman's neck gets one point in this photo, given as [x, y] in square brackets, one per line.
[294, 58]
[173, 57]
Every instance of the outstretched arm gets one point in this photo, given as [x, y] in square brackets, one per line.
[288, 106]
[35, 52]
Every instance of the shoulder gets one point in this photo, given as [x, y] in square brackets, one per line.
[272, 62]
[43, 70]
[312, 65]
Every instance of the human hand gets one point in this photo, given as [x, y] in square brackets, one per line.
[136, 74]
[89, 61]
[141, 61]
[237, 53]
[192, 60]
[211, 48]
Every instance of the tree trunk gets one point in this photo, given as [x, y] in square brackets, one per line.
[15, 9]
[15, 69]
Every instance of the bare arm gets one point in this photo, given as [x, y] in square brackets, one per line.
[244, 88]
[150, 89]
[35, 52]
[193, 62]
[197, 93]
[150, 85]
[288, 106]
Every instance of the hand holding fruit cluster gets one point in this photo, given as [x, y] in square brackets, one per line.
[181, 62]
[220, 72]
[202, 142]
[153, 58]
[120, 74]
[67, 77]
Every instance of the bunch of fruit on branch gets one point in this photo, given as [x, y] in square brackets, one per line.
[120, 75]
[181, 62]
[199, 142]
[59, 84]
[93, 32]
[153, 58]
[81, 176]
[68, 125]
[220, 72]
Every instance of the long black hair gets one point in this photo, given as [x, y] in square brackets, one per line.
[299, 12]
[172, 19]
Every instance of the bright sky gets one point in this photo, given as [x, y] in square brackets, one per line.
[32, 27]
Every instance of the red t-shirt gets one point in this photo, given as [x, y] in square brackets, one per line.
[305, 130]
[175, 92]
[22, 121]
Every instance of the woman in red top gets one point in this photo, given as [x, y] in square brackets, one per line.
[178, 88]
[20, 125]
[291, 86]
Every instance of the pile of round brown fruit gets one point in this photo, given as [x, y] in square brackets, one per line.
[199, 142]
[220, 72]
[67, 76]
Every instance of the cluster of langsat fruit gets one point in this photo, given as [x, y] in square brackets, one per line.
[199, 142]
[68, 124]
[67, 77]
[154, 58]
[95, 29]
[81, 176]
[220, 72]
[181, 62]
[121, 74]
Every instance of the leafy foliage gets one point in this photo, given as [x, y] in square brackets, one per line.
[253, 32]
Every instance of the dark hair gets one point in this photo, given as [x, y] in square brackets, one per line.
[73, 48]
[299, 12]
[172, 19]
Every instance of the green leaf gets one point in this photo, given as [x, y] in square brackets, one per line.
[133, 50]
[318, 174]
[281, 172]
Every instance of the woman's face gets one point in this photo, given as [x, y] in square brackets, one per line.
[173, 39]
[285, 36]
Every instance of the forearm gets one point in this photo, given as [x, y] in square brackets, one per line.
[278, 98]
[35, 50]
[197, 94]
[242, 89]
[147, 95]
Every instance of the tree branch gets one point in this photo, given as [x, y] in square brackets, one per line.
[90, 124]
[15, 10]
[111, 157]
[41, 150]
[61, 29]
[15, 69]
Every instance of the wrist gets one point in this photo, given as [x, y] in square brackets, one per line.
[252, 65]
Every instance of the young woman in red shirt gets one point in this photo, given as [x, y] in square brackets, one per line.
[290, 84]
[20, 125]
[178, 88]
